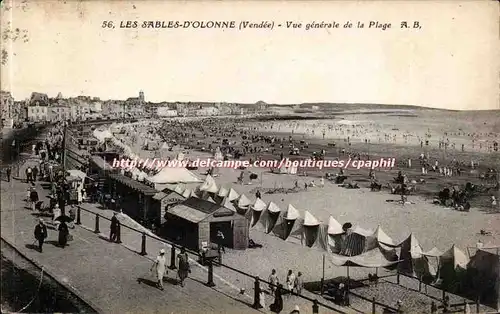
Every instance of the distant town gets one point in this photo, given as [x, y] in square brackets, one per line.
[42, 108]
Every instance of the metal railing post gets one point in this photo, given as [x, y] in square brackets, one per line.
[210, 282]
[78, 215]
[477, 304]
[374, 306]
[397, 278]
[315, 306]
[143, 244]
[256, 294]
[96, 230]
[172, 258]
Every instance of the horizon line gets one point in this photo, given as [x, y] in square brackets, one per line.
[267, 103]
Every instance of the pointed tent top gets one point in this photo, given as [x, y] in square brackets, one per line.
[259, 205]
[210, 199]
[413, 245]
[227, 204]
[334, 227]
[435, 252]
[223, 192]
[209, 185]
[187, 193]
[232, 195]
[292, 213]
[382, 237]
[459, 257]
[243, 201]
[179, 188]
[310, 220]
[194, 194]
[273, 208]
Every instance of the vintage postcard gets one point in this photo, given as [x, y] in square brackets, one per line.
[250, 156]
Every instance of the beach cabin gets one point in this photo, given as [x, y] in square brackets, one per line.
[136, 197]
[161, 202]
[195, 223]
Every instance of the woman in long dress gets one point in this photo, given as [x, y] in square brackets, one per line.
[184, 268]
[160, 264]
[63, 234]
[277, 306]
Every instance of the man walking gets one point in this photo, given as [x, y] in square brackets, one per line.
[113, 234]
[160, 264]
[220, 238]
[40, 234]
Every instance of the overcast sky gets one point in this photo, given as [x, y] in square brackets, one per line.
[451, 62]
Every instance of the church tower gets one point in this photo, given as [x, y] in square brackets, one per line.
[141, 97]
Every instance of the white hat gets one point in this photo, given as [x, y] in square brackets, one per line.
[162, 251]
[41, 220]
[296, 308]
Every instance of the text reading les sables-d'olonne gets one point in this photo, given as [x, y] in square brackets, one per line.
[212, 24]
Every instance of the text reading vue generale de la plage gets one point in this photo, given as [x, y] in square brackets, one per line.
[241, 25]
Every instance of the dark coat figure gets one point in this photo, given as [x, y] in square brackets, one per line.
[9, 172]
[63, 234]
[277, 306]
[258, 195]
[35, 173]
[34, 196]
[114, 228]
[40, 234]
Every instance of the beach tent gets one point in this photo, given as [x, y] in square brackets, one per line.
[232, 195]
[209, 185]
[452, 268]
[315, 234]
[254, 212]
[381, 238]
[269, 217]
[223, 192]
[227, 204]
[169, 175]
[335, 233]
[483, 277]
[165, 146]
[179, 188]
[282, 170]
[413, 261]
[373, 258]
[355, 241]
[289, 224]
[454, 257]
[243, 204]
[187, 193]
[210, 199]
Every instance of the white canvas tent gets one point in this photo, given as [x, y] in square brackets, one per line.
[179, 188]
[232, 195]
[413, 261]
[315, 234]
[335, 233]
[289, 225]
[269, 217]
[227, 204]
[254, 212]
[209, 185]
[243, 204]
[356, 241]
[455, 257]
[223, 192]
[170, 175]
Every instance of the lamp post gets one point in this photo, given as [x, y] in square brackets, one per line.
[63, 159]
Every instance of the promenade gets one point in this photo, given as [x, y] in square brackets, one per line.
[111, 277]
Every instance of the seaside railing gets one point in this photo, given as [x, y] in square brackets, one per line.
[173, 246]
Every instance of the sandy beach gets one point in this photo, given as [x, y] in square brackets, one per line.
[432, 225]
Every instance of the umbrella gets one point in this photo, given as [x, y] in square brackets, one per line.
[346, 226]
[64, 219]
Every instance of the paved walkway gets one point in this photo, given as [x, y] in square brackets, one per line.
[109, 276]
